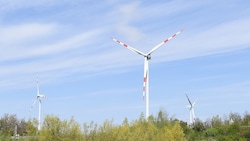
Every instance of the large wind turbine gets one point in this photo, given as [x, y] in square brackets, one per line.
[192, 117]
[147, 57]
[39, 98]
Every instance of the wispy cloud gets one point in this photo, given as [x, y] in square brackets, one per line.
[21, 39]
[19, 4]
[221, 38]
[21, 33]
[127, 13]
[215, 40]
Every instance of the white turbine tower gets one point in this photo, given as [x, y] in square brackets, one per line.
[192, 117]
[39, 98]
[147, 57]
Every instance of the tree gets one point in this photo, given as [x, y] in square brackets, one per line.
[72, 130]
[93, 133]
[246, 119]
[8, 124]
[162, 119]
[235, 117]
[216, 121]
[198, 126]
[177, 133]
[106, 130]
[54, 129]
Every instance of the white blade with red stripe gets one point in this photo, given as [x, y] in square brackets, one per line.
[145, 78]
[146, 83]
[129, 47]
[165, 41]
[37, 86]
[33, 105]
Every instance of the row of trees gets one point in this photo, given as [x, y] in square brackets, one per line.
[233, 127]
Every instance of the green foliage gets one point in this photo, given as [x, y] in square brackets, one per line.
[56, 130]
[246, 119]
[211, 132]
[245, 132]
[31, 127]
[158, 128]
[176, 134]
[198, 126]
[217, 121]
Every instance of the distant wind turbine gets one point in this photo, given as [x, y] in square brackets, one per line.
[39, 98]
[147, 57]
[192, 117]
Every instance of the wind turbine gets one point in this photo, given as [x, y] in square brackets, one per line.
[192, 117]
[39, 98]
[147, 57]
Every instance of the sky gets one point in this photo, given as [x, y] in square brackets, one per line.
[86, 75]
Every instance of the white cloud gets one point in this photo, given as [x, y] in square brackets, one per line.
[230, 35]
[16, 34]
[126, 14]
[18, 4]
[20, 42]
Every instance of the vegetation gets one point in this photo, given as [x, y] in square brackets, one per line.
[233, 127]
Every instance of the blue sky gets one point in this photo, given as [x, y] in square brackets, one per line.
[88, 76]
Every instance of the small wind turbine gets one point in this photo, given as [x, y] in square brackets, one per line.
[147, 57]
[39, 98]
[192, 117]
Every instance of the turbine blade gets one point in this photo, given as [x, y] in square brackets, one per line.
[165, 41]
[37, 86]
[189, 100]
[128, 47]
[33, 105]
[194, 102]
[145, 77]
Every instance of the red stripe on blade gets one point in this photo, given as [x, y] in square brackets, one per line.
[166, 41]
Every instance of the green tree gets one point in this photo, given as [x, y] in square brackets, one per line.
[162, 119]
[51, 129]
[198, 126]
[236, 117]
[105, 131]
[246, 119]
[72, 130]
[8, 124]
[54, 129]
[216, 121]
[177, 133]
[92, 131]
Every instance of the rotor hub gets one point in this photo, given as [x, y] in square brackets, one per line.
[149, 57]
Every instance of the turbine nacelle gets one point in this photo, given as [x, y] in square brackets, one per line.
[41, 96]
[148, 57]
